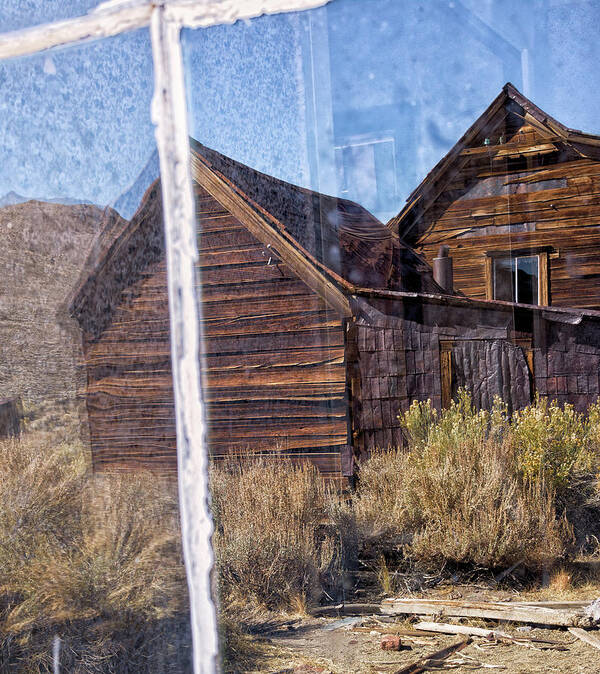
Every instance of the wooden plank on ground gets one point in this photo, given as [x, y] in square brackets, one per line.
[591, 638]
[423, 664]
[445, 628]
[539, 615]
[345, 609]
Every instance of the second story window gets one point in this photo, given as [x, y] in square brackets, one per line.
[516, 279]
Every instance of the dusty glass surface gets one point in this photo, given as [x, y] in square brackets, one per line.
[449, 128]
[91, 569]
[398, 234]
[368, 104]
[16, 14]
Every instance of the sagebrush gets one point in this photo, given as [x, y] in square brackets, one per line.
[94, 561]
[273, 541]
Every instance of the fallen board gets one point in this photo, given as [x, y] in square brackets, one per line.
[538, 615]
[346, 609]
[498, 635]
[434, 659]
[444, 628]
[591, 638]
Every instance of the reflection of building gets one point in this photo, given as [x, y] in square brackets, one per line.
[517, 201]
[382, 84]
[320, 325]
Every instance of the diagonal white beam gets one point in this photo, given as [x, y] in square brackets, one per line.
[91, 26]
[118, 16]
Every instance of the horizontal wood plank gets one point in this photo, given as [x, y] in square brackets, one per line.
[273, 374]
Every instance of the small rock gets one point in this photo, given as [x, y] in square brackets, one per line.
[373, 633]
[391, 642]
[524, 628]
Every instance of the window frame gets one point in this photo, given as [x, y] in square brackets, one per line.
[165, 19]
[542, 254]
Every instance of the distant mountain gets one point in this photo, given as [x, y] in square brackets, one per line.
[44, 248]
[12, 198]
[127, 204]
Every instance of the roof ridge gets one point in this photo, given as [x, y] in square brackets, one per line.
[572, 137]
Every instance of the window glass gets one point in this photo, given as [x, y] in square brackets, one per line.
[504, 279]
[16, 14]
[516, 279]
[91, 571]
[526, 281]
[371, 179]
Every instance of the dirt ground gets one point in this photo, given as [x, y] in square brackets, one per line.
[352, 645]
[346, 651]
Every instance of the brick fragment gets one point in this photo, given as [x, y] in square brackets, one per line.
[391, 642]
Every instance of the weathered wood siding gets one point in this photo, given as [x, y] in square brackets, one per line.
[273, 369]
[523, 191]
[396, 353]
[130, 390]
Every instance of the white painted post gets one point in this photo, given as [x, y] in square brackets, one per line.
[170, 118]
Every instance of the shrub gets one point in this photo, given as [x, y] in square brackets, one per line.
[379, 505]
[459, 423]
[589, 460]
[476, 510]
[39, 498]
[418, 422]
[272, 541]
[549, 441]
[464, 504]
[95, 561]
[458, 492]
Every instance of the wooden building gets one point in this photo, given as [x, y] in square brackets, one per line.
[320, 325]
[517, 202]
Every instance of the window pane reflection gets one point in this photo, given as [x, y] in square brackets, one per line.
[516, 279]
[91, 570]
[526, 282]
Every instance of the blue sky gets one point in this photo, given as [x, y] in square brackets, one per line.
[360, 98]
[75, 122]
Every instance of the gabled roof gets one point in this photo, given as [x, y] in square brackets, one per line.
[333, 245]
[510, 101]
[340, 234]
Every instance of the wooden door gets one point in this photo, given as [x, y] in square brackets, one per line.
[486, 368]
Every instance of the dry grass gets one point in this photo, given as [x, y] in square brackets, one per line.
[465, 505]
[94, 561]
[460, 492]
[97, 561]
[271, 540]
[560, 582]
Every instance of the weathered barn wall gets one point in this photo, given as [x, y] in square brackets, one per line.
[567, 363]
[273, 370]
[396, 357]
[274, 367]
[130, 390]
[408, 349]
